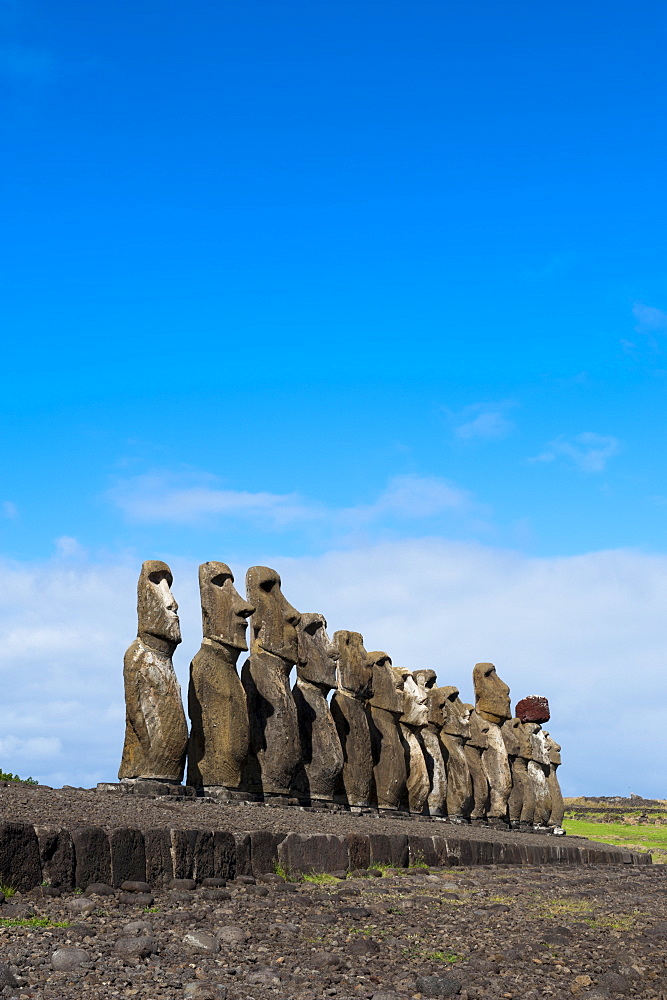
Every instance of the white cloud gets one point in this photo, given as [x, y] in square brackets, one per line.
[161, 497]
[69, 548]
[648, 319]
[589, 452]
[483, 420]
[587, 631]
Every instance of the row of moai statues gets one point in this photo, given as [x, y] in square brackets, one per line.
[354, 729]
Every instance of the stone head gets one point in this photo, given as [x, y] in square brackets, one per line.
[415, 698]
[540, 751]
[524, 731]
[425, 678]
[274, 621]
[553, 749]
[157, 609]
[437, 700]
[354, 673]
[387, 683]
[224, 612]
[511, 737]
[492, 696]
[456, 714]
[479, 727]
[318, 655]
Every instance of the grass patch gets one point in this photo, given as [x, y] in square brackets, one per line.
[566, 908]
[443, 956]
[320, 878]
[151, 909]
[32, 922]
[7, 890]
[643, 837]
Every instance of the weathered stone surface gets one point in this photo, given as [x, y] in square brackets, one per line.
[20, 866]
[454, 733]
[92, 856]
[243, 858]
[56, 852]
[159, 864]
[492, 696]
[412, 722]
[201, 941]
[136, 946]
[183, 852]
[224, 855]
[431, 745]
[156, 733]
[301, 852]
[557, 804]
[264, 850]
[128, 856]
[6, 976]
[203, 856]
[321, 752]
[538, 771]
[350, 712]
[439, 986]
[275, 748]
[476, 744]
[68, 959]
[497, 769]
[219, 735]
[389, 849]
[81, 906]
[534, 708]
[231, 935]
[389, 749]
[359, 850]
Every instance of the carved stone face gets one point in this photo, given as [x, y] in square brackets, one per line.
[425, 678]
[317, 654]
[224, 611]
[354, 673]
[553, 750]
[156, 606]
[510, 734]
[387, 684]
[492, 696]
[415, 711]
[479, 727]
[274, 621]
[539, 746]
[456, 714]
[524, 732]
[437, 700]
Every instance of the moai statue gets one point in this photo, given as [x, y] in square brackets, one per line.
[219, 729]
[474, 749]
[413, 721]
[275, 748]
[533, 711]
[538, 772]
[514, 739]
[557, 804]
[453, 735]
[521, 775]
[321, 752]
[389, 749]
[350, 712]
[430, 734]
[156, 733]
[492, 703]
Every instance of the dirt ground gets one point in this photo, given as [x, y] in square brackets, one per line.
[499, 932]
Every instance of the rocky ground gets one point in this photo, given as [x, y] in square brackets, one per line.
[498, 932]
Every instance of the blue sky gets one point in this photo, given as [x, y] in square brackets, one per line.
[362, 281]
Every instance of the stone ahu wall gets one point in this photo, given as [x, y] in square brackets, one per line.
[354, 733]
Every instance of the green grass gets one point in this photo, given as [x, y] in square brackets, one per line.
[643, 837]
[320, 878]
[32, 922]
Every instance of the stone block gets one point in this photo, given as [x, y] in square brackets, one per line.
[422, 849]
[243, 859]
[92, 856]
[128, 856]
[224, 855]
[264, 851]
[203, 856]
[183, 851]
[447, 851]
[56, 852]
[389, 849]
[20, 865]
[159, 863]
[302, 852]
[358, 850]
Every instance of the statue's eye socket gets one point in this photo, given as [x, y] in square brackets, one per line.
[267, 585]
[219, 580]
